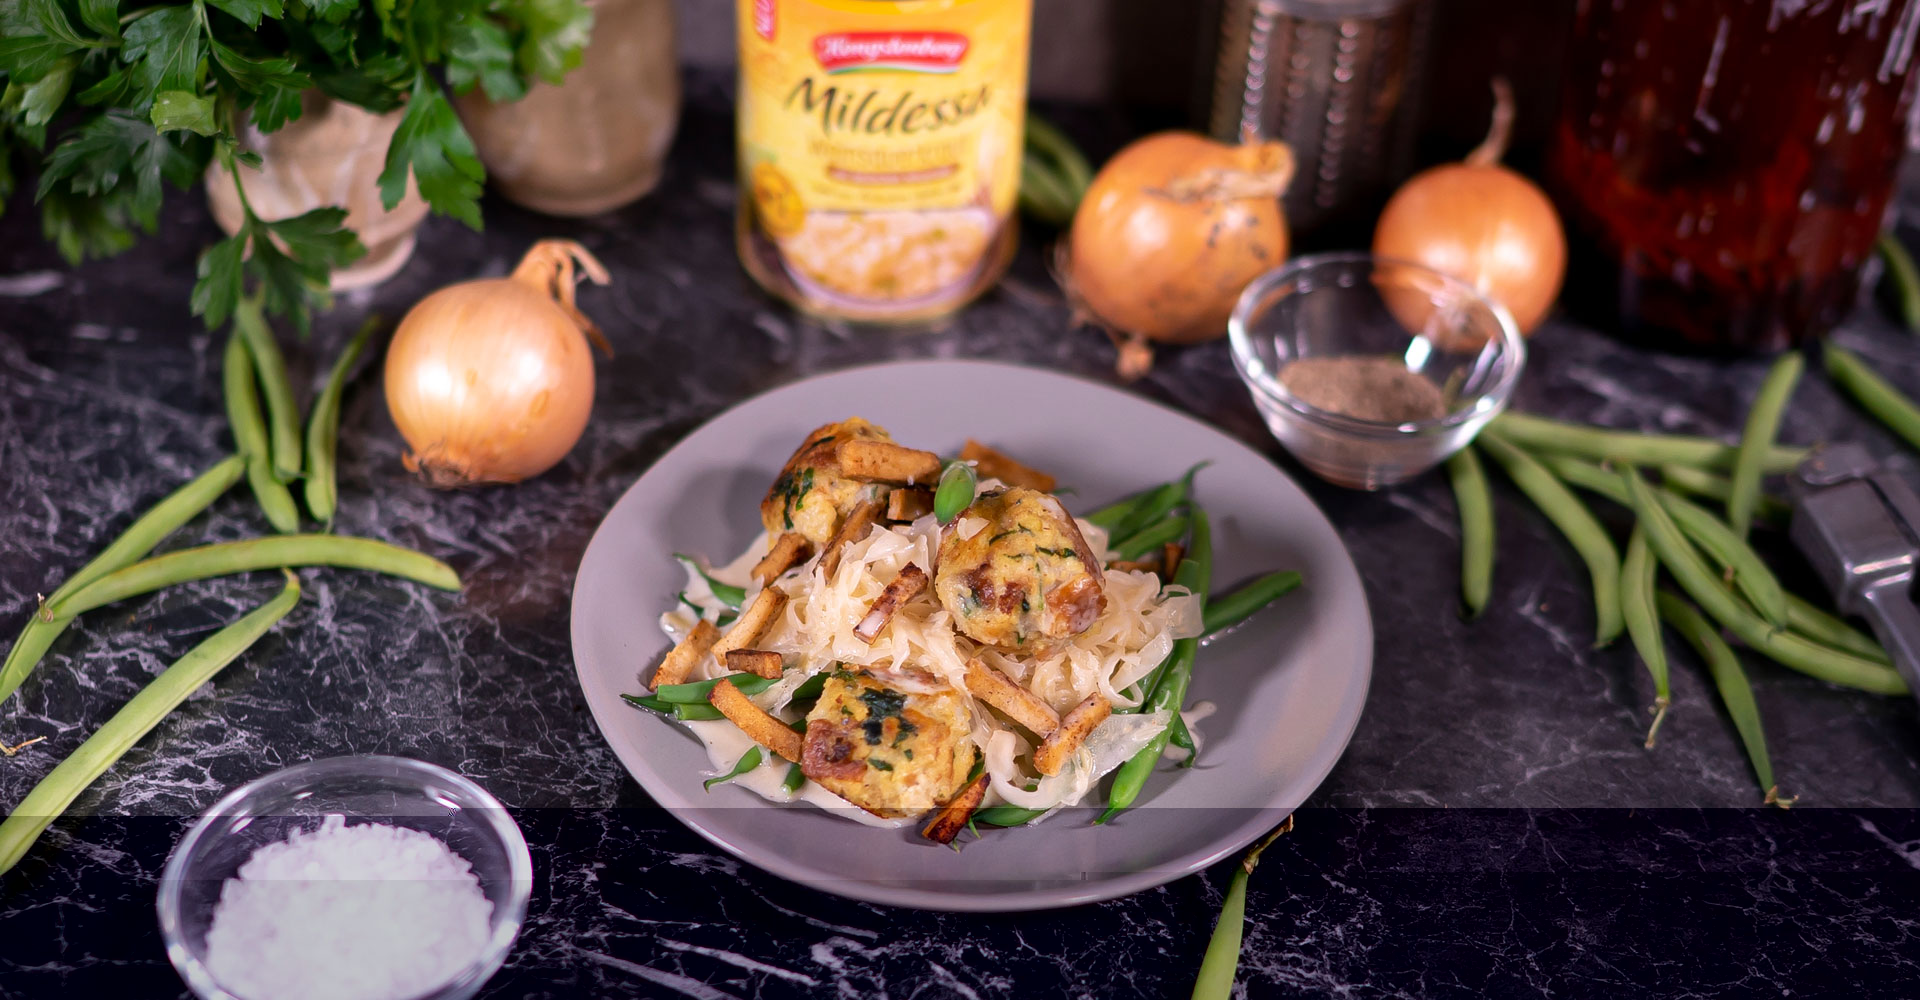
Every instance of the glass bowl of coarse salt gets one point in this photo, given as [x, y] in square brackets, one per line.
[1372, 370]
[351, 878]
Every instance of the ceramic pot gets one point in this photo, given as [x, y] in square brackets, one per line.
[596, 141]
[331, 155]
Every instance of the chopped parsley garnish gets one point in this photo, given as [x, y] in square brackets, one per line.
[879, 765]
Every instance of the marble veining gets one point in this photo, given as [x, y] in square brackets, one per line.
[1495, 827]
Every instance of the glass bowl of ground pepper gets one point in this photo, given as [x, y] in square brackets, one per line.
[1370, 370]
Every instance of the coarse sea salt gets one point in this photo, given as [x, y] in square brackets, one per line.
[363, 912]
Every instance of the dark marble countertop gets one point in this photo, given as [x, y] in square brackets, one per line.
[1495, 827]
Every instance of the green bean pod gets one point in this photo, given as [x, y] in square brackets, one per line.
[1044, 195]
[1735, 692]
[794, 779]
[1006, 815]
[1763, 423]
[135, 719]
[1222, 960]
[1169, 691]
[1600, 444]
[1876, 394]
[283, 414]
[729, 595]
[1240, 604]
[1575, 522]
[1153, 507]
[1692, 482]
[747, 762]
[1180, 736]
[1700, 525]
[1045, 138]
[1638, 572]
[1905, 277]
[250, 434]
[160, 520]
[695, 692]
[225, 558]
[1830, 629]
[323, 430]
[1475, 503]
[1705, 587]
[1149, 539]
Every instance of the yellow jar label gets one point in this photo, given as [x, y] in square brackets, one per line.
[880, 149]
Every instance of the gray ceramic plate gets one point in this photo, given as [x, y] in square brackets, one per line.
[1289, 684]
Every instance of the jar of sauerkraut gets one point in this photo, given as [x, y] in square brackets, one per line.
[879, 151]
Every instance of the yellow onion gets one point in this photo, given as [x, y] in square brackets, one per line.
[1170, 231]
[491, 380]
[1481, 223]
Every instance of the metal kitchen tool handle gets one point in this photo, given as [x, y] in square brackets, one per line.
[1859, 525]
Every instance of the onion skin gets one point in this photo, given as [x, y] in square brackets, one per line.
[1170, 231]
[491, 380]
[1485, 225]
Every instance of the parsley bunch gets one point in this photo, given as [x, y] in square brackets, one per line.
[112, 105]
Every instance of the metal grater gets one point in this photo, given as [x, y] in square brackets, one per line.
[1859, 525]
[1337, 80]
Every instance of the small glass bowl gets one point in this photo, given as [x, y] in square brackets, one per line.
[391, 790]
[1342, 304]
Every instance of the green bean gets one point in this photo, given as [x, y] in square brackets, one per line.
[160, 520]
[1240, 604]
[695, 692]
[810, 688]
[283, 414]
[1831, 630]
[1638, 572]
[747, 762]
[1705, 587]
[1763, 423]
[1052, 144]
[684, 711]
[1169, 691]
[323, 429]
[1598, 443]
[1905, 278]
[794, 779]
[1689, 481]
[1150, 538]
[1735, 692]
[1043, 194]
[134, 720]
[250, 434]
[1179, 735]
[958, 483]
[217, 560]
[224, 558]
[1475, 503]
[729, 595]
[1222, 960]
[1876, 394]
[1575, 522]
[1153, 507]
[1006, 815]
[1700, 525]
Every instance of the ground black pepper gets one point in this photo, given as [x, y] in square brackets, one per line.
[1365, 387]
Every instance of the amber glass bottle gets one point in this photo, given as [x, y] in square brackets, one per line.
[1725, 165]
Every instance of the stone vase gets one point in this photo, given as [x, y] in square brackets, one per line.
[596, 141]
[331, 155]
